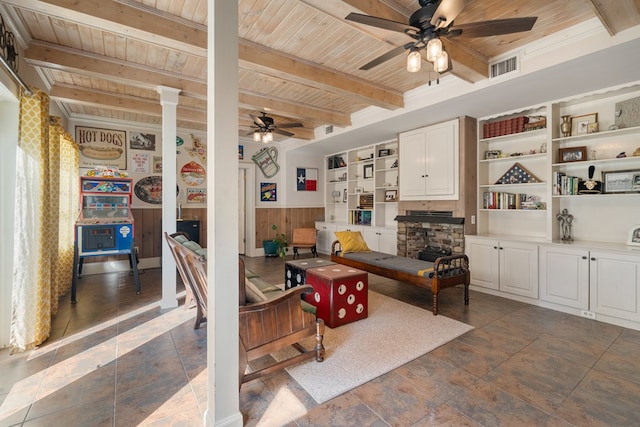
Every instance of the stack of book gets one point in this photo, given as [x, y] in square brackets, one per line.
[504, 127]
[564, 185]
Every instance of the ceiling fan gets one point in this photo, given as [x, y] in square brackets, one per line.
[265, 126]
[428, 24]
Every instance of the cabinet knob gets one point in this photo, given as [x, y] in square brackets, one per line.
[425, 176]
[593, 259]
[495, 247]
[584, 257]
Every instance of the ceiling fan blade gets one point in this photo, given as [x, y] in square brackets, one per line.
[495, 27]
[258, 121]
[282, 132]
[374, 21]
[250, 133]
[290, 125]
[446, 12]
[384, 58]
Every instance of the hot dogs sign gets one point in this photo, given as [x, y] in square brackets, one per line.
[102, 147]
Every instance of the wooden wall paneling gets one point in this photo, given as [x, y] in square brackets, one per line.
[156, 232]
[286, 219]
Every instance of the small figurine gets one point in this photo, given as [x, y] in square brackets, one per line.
[637, 152]
[621, 155]
[565, 219]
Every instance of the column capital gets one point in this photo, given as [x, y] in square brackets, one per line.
[168, 95]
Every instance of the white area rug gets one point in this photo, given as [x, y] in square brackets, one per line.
[394, 333]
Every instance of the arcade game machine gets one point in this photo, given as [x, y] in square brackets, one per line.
[105, 224]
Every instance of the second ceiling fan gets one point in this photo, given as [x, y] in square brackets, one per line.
[265, 126]
[428, 24]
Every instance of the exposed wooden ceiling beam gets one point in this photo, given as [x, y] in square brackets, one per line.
[133, 21]
[76, 95]
[618, 15]
[72, 60]
[254, 56]
[291, 109]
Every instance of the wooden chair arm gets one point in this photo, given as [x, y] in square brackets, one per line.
[295, 292]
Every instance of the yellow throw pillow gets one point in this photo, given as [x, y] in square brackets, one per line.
[352, 241]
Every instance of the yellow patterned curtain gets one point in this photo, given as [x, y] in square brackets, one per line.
[46, 171]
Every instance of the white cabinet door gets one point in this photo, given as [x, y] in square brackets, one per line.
[388, 241]
[483, 262]
[615, 285]
[519, 268]
[429, 162]
[564, 276]
[442, 161]
[381, 239]
[506, 266]
[413, 160]
[325, 237]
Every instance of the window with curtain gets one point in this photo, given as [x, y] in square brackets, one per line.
[46, 209]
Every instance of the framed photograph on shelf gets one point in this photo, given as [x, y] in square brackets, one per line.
[573, 154]
[627, 181]
[368, 171]
[580, 124]
[390, 195]
[634, 236]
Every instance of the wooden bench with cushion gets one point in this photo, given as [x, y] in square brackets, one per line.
[351, 249]
[304, 238]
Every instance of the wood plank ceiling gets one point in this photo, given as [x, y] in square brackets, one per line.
[298, 59]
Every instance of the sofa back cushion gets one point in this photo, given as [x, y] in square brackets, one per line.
[253, 294]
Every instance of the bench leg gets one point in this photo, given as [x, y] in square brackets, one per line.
[466, 294]
[319, 338]
[314, 251]
[295, 253]
[435, 304]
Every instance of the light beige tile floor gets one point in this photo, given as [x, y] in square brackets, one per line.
[116, 359]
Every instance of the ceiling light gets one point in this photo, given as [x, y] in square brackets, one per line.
[257, 136]
[414, 60]
[267, 137]
[441, 63]
[434, 49]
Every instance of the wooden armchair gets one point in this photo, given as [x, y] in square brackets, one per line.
[304, 238]
[193, 271]
[273, 324]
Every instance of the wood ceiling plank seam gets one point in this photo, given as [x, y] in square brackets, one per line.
[323, 77]
[249, 11]
[308, 36]
[265, 24]
[315, 43]
[282, 37]
[188, 10]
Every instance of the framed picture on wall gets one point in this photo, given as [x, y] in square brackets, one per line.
[368, 171]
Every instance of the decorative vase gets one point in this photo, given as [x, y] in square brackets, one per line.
[565, 126]
[270, 248]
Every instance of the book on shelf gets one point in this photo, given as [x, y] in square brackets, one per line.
[515, 201]
[564, 185]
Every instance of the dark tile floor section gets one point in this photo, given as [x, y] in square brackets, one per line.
[117, 359]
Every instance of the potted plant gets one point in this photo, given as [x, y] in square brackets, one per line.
[278, 246]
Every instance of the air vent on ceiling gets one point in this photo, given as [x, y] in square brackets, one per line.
[500, 68]
[328, 130]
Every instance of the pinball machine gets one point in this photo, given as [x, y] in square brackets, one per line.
[105, 224]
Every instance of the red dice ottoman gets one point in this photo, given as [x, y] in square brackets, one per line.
[340, 294]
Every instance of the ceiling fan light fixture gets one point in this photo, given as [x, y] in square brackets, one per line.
[414, 60]
[257, 136]
[267, 137]
[434, 49]
[441, 63]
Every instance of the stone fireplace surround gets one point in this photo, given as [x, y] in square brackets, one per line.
[413, 236]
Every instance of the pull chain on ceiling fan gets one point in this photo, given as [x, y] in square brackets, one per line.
[265, 127]
[429, 24]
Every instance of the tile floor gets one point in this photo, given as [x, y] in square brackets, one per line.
[116, 359]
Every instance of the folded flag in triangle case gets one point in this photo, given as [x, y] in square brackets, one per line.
[307, 179]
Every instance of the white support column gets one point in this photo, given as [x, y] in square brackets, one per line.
[169, 102]
[223, 402]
